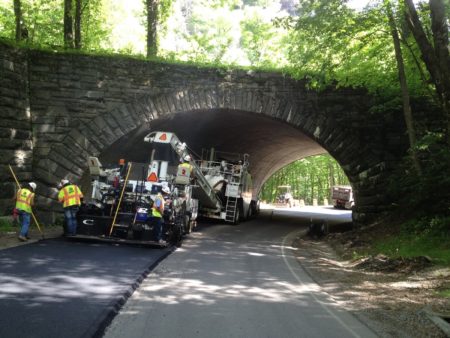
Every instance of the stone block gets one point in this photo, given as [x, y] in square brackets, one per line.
[63, 155]
[16, 144]
[46, 176]
[44, 128]
[43, 120]
[8, 190]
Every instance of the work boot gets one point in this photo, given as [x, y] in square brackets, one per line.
[22, 238]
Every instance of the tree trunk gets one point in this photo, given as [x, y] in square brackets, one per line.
[436, 59]
[404, 88]
[439, 28]
[21, 31]
[152, 26]
[77, 24]
[68, 24]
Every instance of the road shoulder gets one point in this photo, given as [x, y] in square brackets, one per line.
[392, 304]
[10, 239]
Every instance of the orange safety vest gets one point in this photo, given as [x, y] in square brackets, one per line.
[24, 200]
[70, 195]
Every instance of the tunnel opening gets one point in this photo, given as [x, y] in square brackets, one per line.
[316, 180]
[270, 143]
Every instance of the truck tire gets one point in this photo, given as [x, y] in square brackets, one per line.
[187, 224]
[174, 235]
[237, 217]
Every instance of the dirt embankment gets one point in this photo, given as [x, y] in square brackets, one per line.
[395, 297]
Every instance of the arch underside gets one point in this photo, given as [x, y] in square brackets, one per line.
[271, 144]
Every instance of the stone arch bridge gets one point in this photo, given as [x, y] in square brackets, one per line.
[58, 109]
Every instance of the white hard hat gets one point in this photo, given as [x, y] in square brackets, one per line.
[64, 182]
[33, 185]
[166, 189]
[187, 158]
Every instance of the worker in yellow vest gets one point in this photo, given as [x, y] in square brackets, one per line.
[71, 197]
[185, 167]
[24, 202]
[158, 213]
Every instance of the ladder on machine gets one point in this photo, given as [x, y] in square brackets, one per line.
[230, 209]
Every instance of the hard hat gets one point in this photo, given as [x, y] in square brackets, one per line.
[33, 185]
[187, 158]
[64, 182]
[165, 189]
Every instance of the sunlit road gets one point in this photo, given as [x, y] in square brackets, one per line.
[237, 281]
[58, 288]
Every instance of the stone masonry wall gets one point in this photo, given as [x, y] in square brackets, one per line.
[15, 128]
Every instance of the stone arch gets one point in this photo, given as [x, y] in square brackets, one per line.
[363, 162]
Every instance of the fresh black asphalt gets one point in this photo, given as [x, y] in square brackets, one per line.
[60, 288]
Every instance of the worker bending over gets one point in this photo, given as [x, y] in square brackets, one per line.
[24, 202]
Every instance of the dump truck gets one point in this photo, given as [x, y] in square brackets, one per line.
[342, 196]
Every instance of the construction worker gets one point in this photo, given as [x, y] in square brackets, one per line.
[24, 202]
[185, 167]
[71, 197]
[157, 214]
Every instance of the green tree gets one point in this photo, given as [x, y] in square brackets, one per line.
[68, 24]
[261, 40]
[310, 178]
[21, 30]
[403, 85]
[157, 13]
[435, 54]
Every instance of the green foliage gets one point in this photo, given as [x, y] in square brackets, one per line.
[427, 193]
[335, 44]
[6, 224]
[43, 20]
[210, 42]
[444, 293]
[94, 30]
[425, 237]
[262, 42]
[7, 20]
[309, 178]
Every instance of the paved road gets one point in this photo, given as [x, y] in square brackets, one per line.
[235, 281]
[56, 288]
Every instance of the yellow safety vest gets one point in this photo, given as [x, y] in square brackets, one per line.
[24, 200]
[70, 195]
[186, 165]
[185, 169]
[157, 212]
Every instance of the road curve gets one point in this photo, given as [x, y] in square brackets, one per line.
[235, 281]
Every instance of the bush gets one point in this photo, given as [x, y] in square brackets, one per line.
[6, 224]
[439, 225]
[428, 193]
